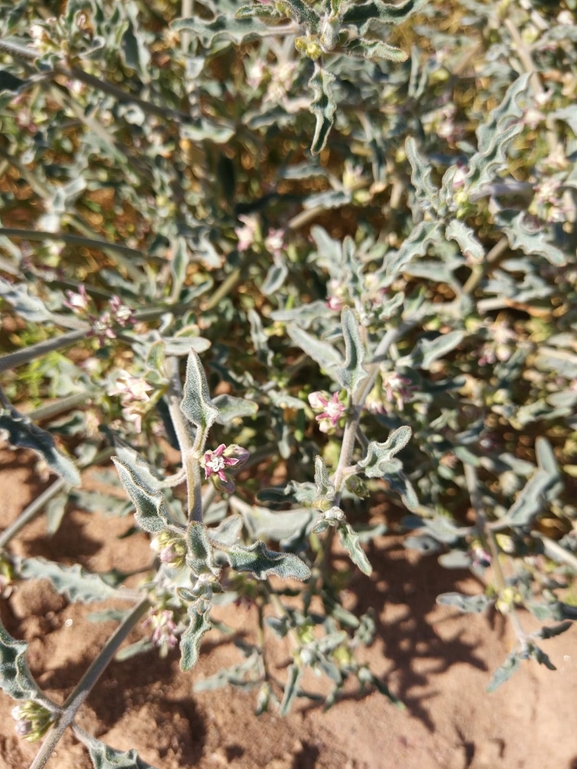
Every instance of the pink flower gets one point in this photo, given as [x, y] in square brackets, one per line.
[77, 302]
[274, 241]
[121, 313]
[247, 233]
[216, 463]
[332, 410]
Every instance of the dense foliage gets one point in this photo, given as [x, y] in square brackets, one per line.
[353, 224]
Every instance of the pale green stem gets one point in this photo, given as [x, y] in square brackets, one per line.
[556, 551]
[18, 358]
[58, 407]
[73, 240]
[86, 684]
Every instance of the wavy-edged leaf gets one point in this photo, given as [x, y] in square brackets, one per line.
[426, 192]
[15, 678]
[415, 245]
[321, 352]
[25, 434]
[105, 757]
[196, 404]
[531, 242]
[427, 351]
[353, 372]
[379, 455]
[466, 603]
[376, 50]
[199, 556]
[364, 15]
[505, 672]
[74, 582]
[261, 562]
[351, 542]
[322, 106]
[223, 27]
[230, 408]
[275, 277]
[191, 639]
[227, 532]
[305, 314]
[325, 489]
[466, 239]
[25, 304]
[530, 500]
[152, 512]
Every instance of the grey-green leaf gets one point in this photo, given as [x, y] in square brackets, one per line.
[262, 562]
[321, 352]
[527, 240]
[378, 455]
[15, 678]
[152, 512]
[74, 582]
[322, 106]
[230, 408]
[505, 672]
[24, 433]
[466, 238]
[465, 603]
[105, 757]
[291, 688]
[350, 541]
[353, 372]
[191, 639]
[196, 403]
[199, 550]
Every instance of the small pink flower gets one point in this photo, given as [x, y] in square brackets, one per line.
[77, 302]
[332, 409]
[274, 241]
[216, 463]
[121, 313]
[163, 628]
[334, 303]
[247, 233]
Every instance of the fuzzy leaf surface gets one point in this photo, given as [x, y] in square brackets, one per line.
[192, 637]
[15, 678]
[261, 562]
[351, 542]
[152, 513]
[25, 434]
[379, 455]
[322, 106]
[353, 372]
[74, 582]
[465, 603]
[105, 757]
[196, 404]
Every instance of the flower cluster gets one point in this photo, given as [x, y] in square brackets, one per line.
[218, 465]
[171, 549]
[164, 628]
[133, 393]
[392, 389]
[102, 326]
[332, 409]
[32, 720]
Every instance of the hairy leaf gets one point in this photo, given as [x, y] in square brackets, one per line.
[240, 30]
[321, 352]
[322, 106]
[74, 582]
[353, 372]
[466, 238]
[505, 672]
[105, 757]
[261, 562]
[196, 403]
[325, 490]
[152, 512]
[465, 603]
[291, 688]
[15, 678]
[350, 541]
[527, 240]
[379, 455]
[25, 434]
[199, 556]
[191, 639]
[230, 408]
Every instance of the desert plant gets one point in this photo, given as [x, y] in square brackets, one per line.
[381, 293]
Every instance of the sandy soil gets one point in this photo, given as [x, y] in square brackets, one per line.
[438, 662]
